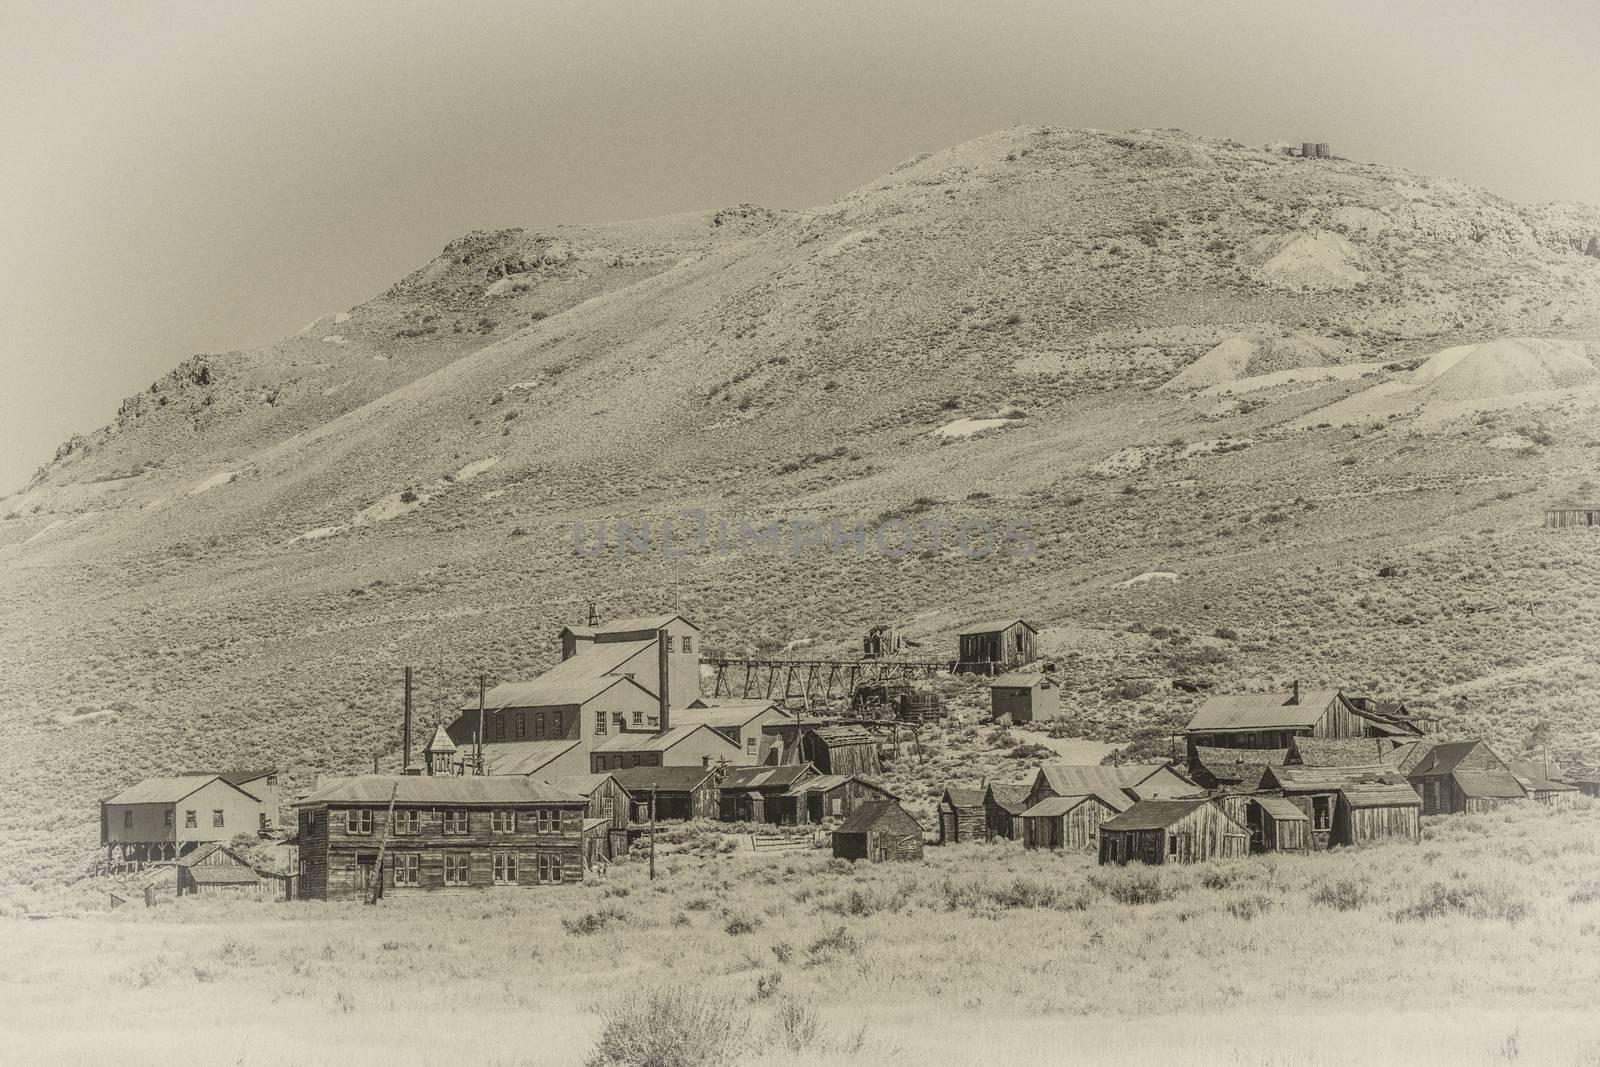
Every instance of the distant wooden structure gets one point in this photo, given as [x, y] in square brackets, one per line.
[215, 868]
[761, 794]
[1172, 831]
[1459, 776]
[1277, 825]
[1565, 515]
[1377, 812]
[1069, 823]
[677, 793]
[830, 796]
[842, 749]
[1315, 791]
[1545, 783]
[995, 647]
[879, 831]
[882, 640]
[1024, 698]
[1003, 805]
[163, 819]
[1274, 720]
[608, 804]
[962, 816]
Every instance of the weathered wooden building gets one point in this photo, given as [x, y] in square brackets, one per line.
[831, 796]
[740, 721]
[1234, 770]
[609, 803]
[1003, 805]
[1172, 831]
[1545, 783]
[1568, 515]
[1020, 697]
[1276, 825]
[678, 793]
[995, 647]
[1377, 812]
[1274, 720]
[841, 749]
[879, 831]
[405, 833]
[1337, 751]
[1459, 776]
[690, 745]
[1069, 822]
[1134, 781]
[761, 794]
[259, 782]
[962, 816]
[214, 868]
[162, 819]
[1315, 791]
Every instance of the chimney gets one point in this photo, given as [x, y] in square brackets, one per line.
[663, 677]
[406, 740]
[1295, 697]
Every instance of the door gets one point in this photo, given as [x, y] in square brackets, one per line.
[367, 873]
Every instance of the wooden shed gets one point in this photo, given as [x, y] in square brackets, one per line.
[1172, 831]
[1315, 791]
[679, 793]
[1276, 825]
[1378, 812]
[216, 868]
[1022, 698]
[961, 815]
[760, 794]
[995, 647]
[1545, 783]
[1460, 776]
[609, 803]
[1003, 805]
[831, 796]
[1564, 515]
[840, 750]
[1071, 823]
[879, 831]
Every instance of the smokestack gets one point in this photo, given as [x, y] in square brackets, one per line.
[406, 741]
[478, 763]
[1295, 699]
[663, 676]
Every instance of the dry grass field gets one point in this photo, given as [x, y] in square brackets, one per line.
[1480, 945]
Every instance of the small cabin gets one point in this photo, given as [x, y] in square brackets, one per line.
[1460, 776]
[830, 796]
[1315, 791]
[1024, 698]
[1562, 516]
[995, 647]
[840, 749]
[1069, 823]
[761, 794]
[879, 831]
[1545, 783]
[1172, 831]
[1377, 812]
[961, 815]
[1276, 825]
[1003, 805]
[677, 793]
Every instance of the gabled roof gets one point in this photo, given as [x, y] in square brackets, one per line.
[640, 780]
[1020, 680]
[1336, 751]
[1055, 807]
[740, 778]
[524, 757]
[563, 687]
[1488, 785]
[1243, 767]
[1154, 814]
[995, 625]
[842, 735]
[730, 714]
[376, 789]
[1328, 779]
[826, 783]
[1262, 711]
[169, 790]
[1405, 756]
[238, 778]
[1067, 779]
[583, 785]
[224, 874]
[1380, 796]
[642, 742]
[1442, 757]
[964, 796]
[1280, 809]
[870, 813]
[1532, 776]
[1009, 797]
[208, 849]
[641, 622]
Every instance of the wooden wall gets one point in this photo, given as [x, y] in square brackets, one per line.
[1357, 826]
[1077, 830]
[968, 822]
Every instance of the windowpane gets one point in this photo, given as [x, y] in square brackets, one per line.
[599, 722]
[216, 817]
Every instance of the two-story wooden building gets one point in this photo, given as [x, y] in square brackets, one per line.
[1458, 776]
[406, 833]
[1274, 720]
[162, 819]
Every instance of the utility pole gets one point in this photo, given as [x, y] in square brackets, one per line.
[406, 766]
[652, 833]
[478, 761]
[375, 890]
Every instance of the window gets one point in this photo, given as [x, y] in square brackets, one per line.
[544, 820]
[266, 822]
[407, 821]
[668, 639]
[522, 725]
[127, 819]
[836, 805]
[555, 724]
[216, 818]
[608, 806]
[358, 820]
[687, 645]
[638, 717]
[1172, 844]
[502, 822]
[500, 727]
[1321, 813]
[538, 725]
[456, 868]
[750, 744]
[599, 722]
[167, 818]
[455, 822]
[549, 868]
[505, 868]
[406, 867]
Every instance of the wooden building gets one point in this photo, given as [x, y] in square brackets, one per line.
[1234, 770]
[1274, 720]
[214, 868]
[831, 796]
[1460, 776]
[1545, 783]
[1378, 812]
[609, 803]
[879, 831]
[1003, 805]
[1132, 781]
[761, 794]
[690, 745]
[1276, 825]
[679, 793]
[1020, 698]
[1071, 823]
[882, 640]
[410, 833]
[841, 749]
[995, 647]
[259, 782]
[962, 816]
[1172, 831]
[1567, 515]
[740, 721]
[1315, 791]
[163, 819]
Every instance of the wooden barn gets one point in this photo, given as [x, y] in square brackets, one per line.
[995, 647]
[1568, 515]
[1019, 698]
[1378, 812]
[841, 749]
[1172, 831]
[879, 831]
[1003, 805]
[761, 794]
[679, 793]
[831, 796]
[1274, 720]
[1459, 776]
[405, 833]
[1276, 825]
[1071, 823]
[1545, 783]
[962, 816]
[609, 803]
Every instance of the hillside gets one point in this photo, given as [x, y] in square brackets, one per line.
[1209, 377]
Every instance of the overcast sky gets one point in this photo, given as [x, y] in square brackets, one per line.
[179, 178]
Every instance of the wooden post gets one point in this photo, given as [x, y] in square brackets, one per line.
[375, 890]
[478, 762]
[652, 833]
[406, 743]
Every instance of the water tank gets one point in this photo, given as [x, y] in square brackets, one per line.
[1308, 149]
[1322, 151]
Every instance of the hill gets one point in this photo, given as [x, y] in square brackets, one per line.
[235, 568]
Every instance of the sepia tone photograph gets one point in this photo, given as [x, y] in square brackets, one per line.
[707, 533]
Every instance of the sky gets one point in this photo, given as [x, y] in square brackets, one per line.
[179, 178]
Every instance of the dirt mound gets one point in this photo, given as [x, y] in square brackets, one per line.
[1247, 356]
[1503, 368]
[1317, 260]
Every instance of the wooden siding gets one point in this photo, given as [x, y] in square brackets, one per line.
[996, 651]
[967, 822]
[1000, 823]
[1562, 518]
[1205, 833]
[847, 758]
[836, 803]
[1025, 704]
[1077, 830]
[1357, 826]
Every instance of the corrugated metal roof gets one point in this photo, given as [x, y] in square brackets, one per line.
[726, 715]
[738, 778]
[995, 625]
[1019, 680]
[1380, 796]
[826, 783]
[164, 790]
[870, 813]
[1262, 711]
[238, 778]
[1053, 807]
[641, 622]
[553, 692]
[1067, 778]
[1489, 785]
[642, 742]
[640, 780]
[524, 757]
[1280, 809]
[452, 789]
[1153, 814]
